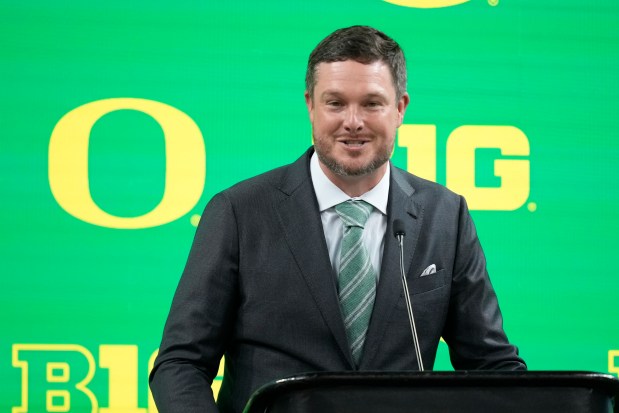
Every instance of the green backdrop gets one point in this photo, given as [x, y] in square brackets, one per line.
[119, 121]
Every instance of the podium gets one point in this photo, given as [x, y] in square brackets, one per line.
[430, 392]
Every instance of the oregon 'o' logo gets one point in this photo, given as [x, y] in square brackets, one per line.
[426, 4]
[184, 157]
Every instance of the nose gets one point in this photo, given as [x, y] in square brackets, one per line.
[353, 122]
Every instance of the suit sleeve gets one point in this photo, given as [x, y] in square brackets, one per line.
[474, 329]
[201, 317]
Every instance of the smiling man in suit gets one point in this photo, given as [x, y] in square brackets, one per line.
[296, 270]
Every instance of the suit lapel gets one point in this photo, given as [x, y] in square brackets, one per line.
[401, 206]
[301, 224]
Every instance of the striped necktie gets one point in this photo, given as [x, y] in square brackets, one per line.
[357, 278]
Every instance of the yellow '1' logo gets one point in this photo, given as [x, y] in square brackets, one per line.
[426, 4]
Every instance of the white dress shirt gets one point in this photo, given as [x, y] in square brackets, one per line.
[329, 195]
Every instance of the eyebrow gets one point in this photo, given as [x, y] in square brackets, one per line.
[337, 94]
[330, 93]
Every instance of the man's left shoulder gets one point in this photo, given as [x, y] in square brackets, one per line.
[421, 188]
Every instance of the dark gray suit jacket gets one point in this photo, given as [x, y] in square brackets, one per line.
[259, 288]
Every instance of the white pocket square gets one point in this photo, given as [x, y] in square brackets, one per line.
[430, 270]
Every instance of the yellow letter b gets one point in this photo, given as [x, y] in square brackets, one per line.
[54, 378]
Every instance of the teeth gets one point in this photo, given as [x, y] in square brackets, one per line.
[354, 143]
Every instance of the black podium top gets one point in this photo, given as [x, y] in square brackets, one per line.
[460, 391]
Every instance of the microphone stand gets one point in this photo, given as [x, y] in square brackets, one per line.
[409, 306]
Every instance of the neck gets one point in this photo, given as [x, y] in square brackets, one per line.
[355, 186]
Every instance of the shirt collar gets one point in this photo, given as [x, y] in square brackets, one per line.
[329, 195]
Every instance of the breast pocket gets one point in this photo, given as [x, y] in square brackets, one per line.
[428, 282]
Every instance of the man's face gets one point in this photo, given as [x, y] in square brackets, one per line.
[354, 116]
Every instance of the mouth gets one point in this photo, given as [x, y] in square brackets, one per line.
[353, 143]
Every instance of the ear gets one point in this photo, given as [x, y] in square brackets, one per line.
[310, 105]
[402, 105]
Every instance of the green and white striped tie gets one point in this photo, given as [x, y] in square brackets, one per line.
[357, 278]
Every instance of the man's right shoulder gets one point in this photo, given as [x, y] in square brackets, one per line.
[283, 179]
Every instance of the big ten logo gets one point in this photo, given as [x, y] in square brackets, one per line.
[512, 170]
[62, 378]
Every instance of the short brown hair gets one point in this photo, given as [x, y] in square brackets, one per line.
[362, 44]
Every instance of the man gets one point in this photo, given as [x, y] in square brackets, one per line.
[297, 270]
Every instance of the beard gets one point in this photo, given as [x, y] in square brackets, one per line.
[324, 153]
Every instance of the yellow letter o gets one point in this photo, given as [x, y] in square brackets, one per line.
[426, 4]
[185, 169]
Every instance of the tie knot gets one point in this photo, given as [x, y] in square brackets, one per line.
[354, 213]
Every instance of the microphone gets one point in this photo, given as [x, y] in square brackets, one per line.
[399, 233]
